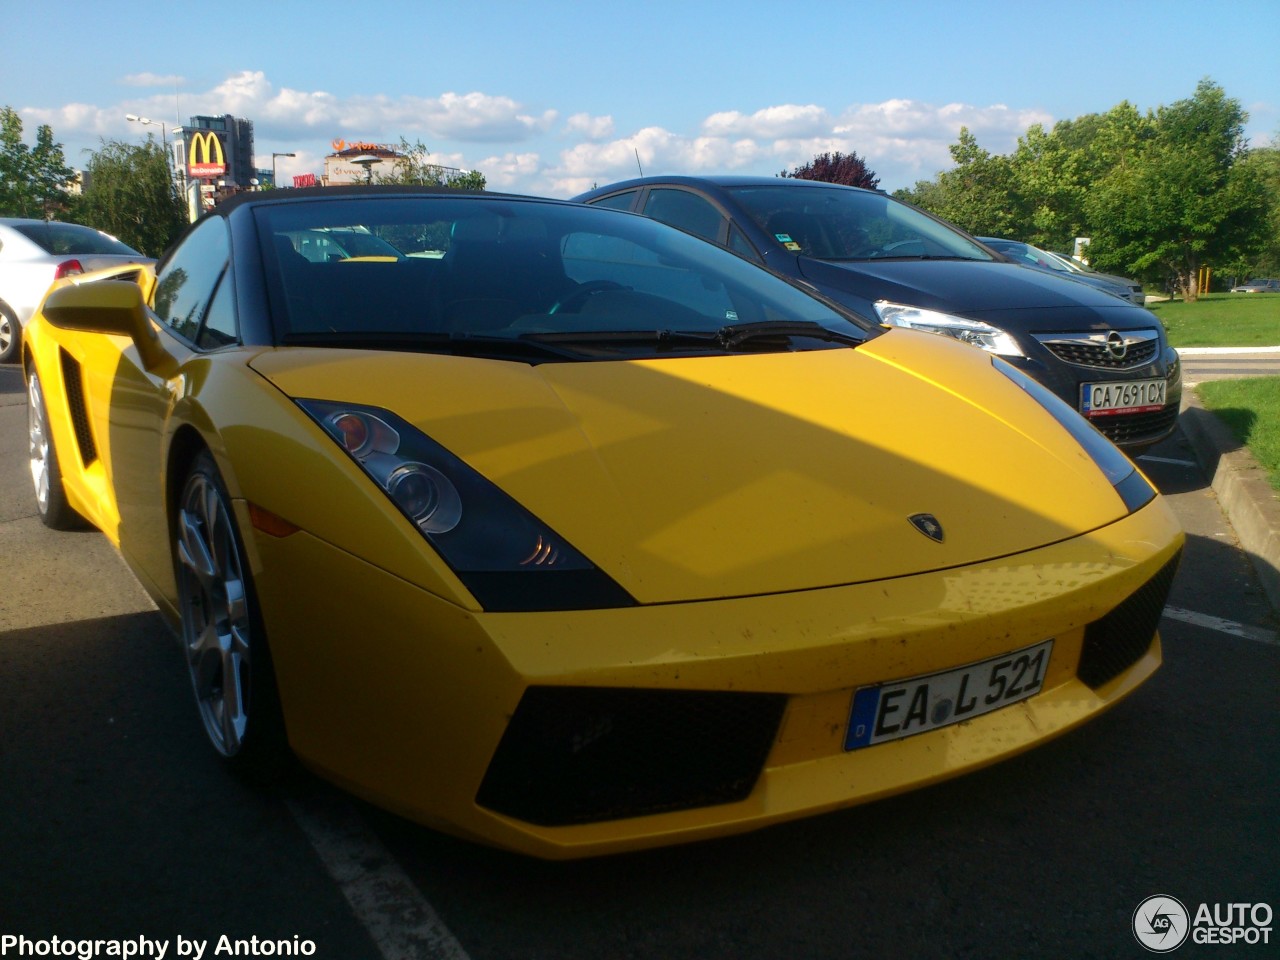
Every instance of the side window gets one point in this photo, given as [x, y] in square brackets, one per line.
[219, 328]
[186, 282]
[688, 211]
[741, 245]
[618, 201]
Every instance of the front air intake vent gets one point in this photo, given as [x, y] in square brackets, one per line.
[1116, 642]
[586, 754]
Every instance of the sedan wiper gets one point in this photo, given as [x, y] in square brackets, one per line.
[458, 344]
[735, 335]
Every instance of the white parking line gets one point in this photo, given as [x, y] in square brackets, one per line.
[1260, 634]
[1180, 463]
[392, 910]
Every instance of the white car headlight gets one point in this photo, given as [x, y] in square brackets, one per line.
[984, 335]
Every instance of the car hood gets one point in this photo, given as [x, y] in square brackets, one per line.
[1004, 293]
[722, 476]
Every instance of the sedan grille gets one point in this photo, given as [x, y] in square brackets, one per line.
[1095, 350]
[586, 754]
[1116, 642]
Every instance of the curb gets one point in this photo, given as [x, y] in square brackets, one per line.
[1247, 498]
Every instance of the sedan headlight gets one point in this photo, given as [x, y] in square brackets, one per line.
[1119, 470]
[506, 557]
[984, 335]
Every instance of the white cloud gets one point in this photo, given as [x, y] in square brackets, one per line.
[589, 127]
[901, 140]
[788, 120]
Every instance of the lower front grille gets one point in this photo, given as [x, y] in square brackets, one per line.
[1122, 428]
[1116, 642]
[587, 754]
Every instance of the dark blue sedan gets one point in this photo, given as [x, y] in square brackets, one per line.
[893, 262]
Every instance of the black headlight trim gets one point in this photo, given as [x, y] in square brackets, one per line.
[505, 556]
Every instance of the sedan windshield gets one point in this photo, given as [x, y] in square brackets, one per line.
[524, 279]
[838, 223]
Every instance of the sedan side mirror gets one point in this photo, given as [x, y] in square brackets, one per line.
[110, 307]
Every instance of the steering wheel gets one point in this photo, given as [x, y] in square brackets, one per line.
[573, 302]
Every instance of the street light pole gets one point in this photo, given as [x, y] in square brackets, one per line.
[164, 140]
[273, 166]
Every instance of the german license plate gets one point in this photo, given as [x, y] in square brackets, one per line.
[904, 708]
[1132, 396]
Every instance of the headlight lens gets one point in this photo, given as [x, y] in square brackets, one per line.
[975, 332]
[489, 540]
[1119, 470]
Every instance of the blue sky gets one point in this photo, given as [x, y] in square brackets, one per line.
[552, 97]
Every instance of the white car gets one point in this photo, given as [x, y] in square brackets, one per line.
[1259, 285]
[33, 254]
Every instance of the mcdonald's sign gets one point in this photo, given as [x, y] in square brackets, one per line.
[205, 157]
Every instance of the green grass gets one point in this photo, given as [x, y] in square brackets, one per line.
[1251, 410]
[1222, 320]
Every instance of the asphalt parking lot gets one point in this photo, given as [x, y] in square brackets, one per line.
[115, 821]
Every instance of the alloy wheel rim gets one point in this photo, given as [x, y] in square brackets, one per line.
[215, 614]
[38, 443]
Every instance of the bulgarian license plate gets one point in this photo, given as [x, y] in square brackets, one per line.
[904, 708]
[1133, 396]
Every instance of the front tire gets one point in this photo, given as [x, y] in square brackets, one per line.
[222, 634]
[46, 476]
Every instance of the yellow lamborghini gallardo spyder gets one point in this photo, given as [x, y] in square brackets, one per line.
[565, 531]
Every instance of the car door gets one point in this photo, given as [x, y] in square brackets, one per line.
[193, 304]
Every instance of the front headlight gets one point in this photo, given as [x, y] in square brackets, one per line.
[975, 332]
[506, 557]
[1119, 470]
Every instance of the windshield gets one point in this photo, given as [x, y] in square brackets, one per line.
[510, 277]
[1029, 256]
[71, 239]
[839, 223]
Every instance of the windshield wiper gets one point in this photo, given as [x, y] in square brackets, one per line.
[735, 335]
[729, 337]
[458, 344]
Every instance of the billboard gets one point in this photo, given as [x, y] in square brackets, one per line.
[205, 155]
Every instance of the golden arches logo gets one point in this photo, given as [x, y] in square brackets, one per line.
[205, 157]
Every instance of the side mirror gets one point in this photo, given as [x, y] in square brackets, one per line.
[110, 307]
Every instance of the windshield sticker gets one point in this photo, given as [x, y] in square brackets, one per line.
[786, 241]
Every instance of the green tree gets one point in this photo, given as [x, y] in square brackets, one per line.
[1262, 163]
[1181, 199]
[129, 192]
[33, 182]
[413, 168]
[978, 194]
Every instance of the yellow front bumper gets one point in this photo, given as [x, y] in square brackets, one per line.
[403, 698]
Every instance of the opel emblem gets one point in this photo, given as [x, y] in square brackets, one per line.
[927, 524]
[1116, 345]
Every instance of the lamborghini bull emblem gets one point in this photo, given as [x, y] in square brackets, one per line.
[928, 524]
